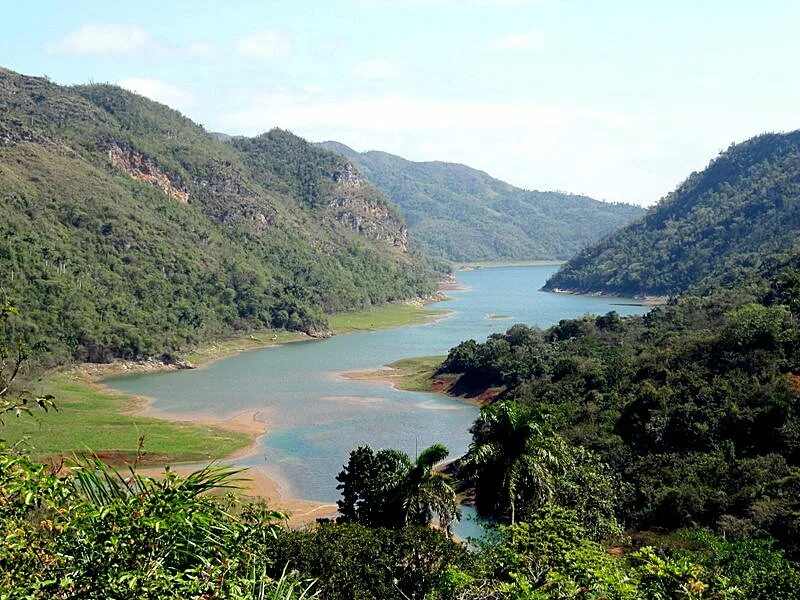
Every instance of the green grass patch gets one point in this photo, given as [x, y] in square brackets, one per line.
[382, 317]
[91, 418]
[415, 374]
[506, 263]
[243, 343]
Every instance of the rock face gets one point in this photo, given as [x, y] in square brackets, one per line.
[371, 220]
[357, 205]
[328, 184]
[348, 175]
[13, 133]
[142, 168]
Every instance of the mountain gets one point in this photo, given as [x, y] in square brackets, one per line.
[464, 215]
[738, 216]
[128, 230]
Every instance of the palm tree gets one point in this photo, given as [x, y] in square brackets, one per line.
[426, 492]
[388, 489]
[514, 457]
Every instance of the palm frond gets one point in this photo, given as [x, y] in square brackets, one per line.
[287, 587]
[432, 455]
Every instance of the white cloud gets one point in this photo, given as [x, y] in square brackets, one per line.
[105, 39]
[378, 68]
[532, 40]
[401, 113]
[201, 51]
[487, 3]
[160, 91]
[128, 40]
[494, 3]
[526, 143]
[266, 45]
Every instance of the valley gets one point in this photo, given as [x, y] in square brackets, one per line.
[314, 416]
[110, 424]
[466, 216]
[525, 327]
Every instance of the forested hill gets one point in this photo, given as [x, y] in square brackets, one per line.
[462, 214]
[734, 217]
[129, 231]
[695, 406]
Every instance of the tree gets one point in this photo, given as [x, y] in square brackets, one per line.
[387, 489]
[426, 493]
[519, 464]
[353, 481]
[14, 354]
[511, 456]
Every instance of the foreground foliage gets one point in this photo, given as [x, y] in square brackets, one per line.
[97, 534]
[519, 465]
[387, 489]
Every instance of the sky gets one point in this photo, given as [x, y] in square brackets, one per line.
[616, 99]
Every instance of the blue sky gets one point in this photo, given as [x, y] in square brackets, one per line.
[617, 99]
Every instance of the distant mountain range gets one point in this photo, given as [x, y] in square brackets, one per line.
[129, 231]
[739, 216]
[464, 215]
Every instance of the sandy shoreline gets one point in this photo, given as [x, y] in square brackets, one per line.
[254, 482]
[638, 300]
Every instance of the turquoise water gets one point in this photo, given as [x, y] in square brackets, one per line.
[315, 417]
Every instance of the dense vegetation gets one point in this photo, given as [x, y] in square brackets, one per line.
[653, 457]
[464, 215]
[694, 407]
[387, 489]
[97, 534]
[723, 222]
[84, 530]
[129, 231]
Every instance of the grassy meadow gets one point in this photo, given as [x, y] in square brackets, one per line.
[91, 418]
[415, 374]
[382, 317]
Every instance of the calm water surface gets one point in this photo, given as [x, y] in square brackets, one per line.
[315, 417]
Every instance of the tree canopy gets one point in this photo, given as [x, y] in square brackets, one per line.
[695, 408]
[387, 489]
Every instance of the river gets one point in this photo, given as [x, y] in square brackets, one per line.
[315, 417]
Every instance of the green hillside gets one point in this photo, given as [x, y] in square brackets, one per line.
[464, 215]
[128, 230]
[694, 406]
[734, 217]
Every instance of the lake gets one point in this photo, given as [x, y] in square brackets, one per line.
[315, 417]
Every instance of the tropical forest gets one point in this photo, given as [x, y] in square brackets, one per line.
[239, 360]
